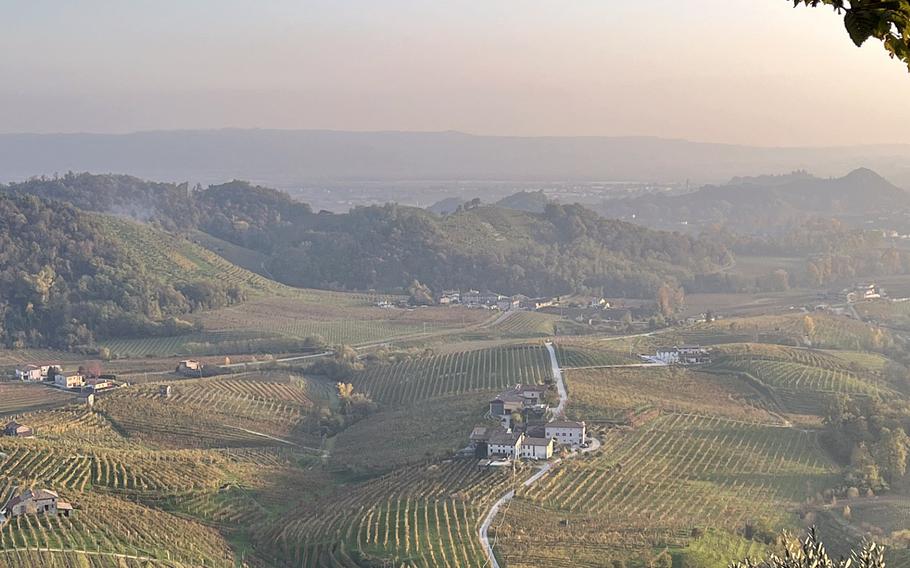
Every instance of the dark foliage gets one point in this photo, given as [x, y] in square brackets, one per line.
[63, 282]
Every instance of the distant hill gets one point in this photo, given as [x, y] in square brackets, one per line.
[767, 202]
[562, 248]
[68, 277]
[283, 158]
[530, 201]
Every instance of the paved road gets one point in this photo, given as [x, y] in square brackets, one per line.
[282, 360]
[560, 410]
[542, 471]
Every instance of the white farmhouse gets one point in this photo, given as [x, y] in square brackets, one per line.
[566, 432]
[70, 380]
[536, 448]
[29, 373]
[504, 443]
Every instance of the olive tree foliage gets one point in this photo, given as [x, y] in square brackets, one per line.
[885, 20]
[811, 553]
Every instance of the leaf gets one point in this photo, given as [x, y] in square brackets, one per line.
[860, 22]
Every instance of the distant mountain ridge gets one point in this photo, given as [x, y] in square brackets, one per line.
[767, 202]
[281, 158]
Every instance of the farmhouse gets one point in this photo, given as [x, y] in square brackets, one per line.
[100, 383]
[516, 399]
[536, 448]
[685, 355]
[504, 443]
[69, 380]
[39, 501]
[566, 432]
[539, 303]
[506, 304]
[190, 366]
[17, 430]
[475, 298]
[505, 403]
[29, 373]
[863, 291]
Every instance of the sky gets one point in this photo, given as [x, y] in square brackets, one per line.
[754, 72]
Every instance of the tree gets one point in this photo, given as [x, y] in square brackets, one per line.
[891, 453]
[885, 20]
[420, 294]
[811, 553]
[808, 326]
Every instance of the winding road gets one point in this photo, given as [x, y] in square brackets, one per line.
[542, 471]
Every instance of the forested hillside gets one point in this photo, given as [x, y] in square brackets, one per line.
[565, 248]
[66, 279]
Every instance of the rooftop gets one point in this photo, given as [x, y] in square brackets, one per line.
[565, 424]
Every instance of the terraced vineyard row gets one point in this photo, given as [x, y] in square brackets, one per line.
[428, 377]
[199, 343]
[827, 331]
[527, 324]
[109, 527]
[803, 378]
[655, 484]
[416, 517]
[20, 558]
[135, 471]
[181, 259]
[590, 354]
[767, 352]
[248, 411]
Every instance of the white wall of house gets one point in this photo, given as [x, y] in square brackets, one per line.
[566, 435]
[536, 451]
[501, 449]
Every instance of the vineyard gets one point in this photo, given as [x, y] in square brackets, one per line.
[176, 259]
[822, 330]
[337, 318]
[401, 437]
[16, 397]
[609, 394]
[574, 353]
[526, 324]
[417, 516]
[244, 411]
[24, 462]
[651, 487]
[105, 528]
[438, 375]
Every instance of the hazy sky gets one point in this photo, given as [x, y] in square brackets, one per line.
[742, 71]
